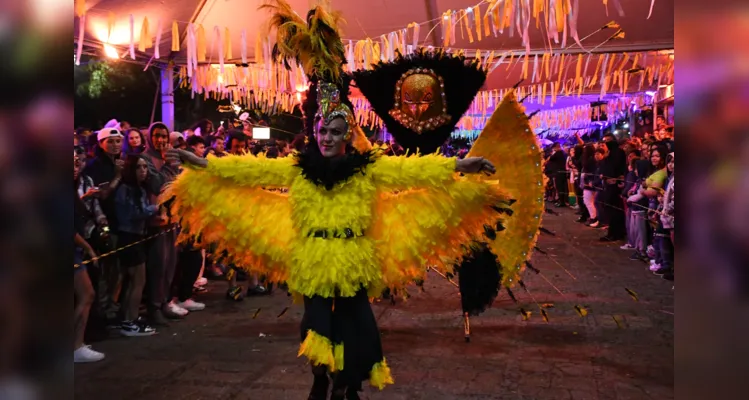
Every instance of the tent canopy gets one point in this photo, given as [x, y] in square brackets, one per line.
[372, 18]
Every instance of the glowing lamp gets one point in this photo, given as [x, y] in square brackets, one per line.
[110, 51]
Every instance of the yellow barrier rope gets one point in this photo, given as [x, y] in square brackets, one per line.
[109, 253]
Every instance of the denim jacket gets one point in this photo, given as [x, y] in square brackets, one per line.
[133, 210]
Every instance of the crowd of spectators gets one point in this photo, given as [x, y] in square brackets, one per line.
[624, 187]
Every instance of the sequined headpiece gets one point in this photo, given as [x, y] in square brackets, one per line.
[330, 106]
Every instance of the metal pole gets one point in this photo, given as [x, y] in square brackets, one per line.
[167, 97]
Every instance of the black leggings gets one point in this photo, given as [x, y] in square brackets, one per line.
[189, 262]
[352, 323]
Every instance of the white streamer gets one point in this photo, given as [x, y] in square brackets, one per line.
[603, 74]
[652, 3]
[156, 53]
[132, 37]
[81, 35]
[191, 51]
[217, 36]
[243, 38]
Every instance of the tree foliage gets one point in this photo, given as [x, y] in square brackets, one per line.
[98, 77]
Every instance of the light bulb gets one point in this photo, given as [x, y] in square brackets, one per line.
[110, 51]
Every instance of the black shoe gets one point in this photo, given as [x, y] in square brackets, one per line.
[592, 222]
[319, 388]
[581, 220]
[258, 290]
[636, 256]
[156, 318]
[136, 328]
[663, 271]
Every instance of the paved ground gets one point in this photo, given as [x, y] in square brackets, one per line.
[223, 353]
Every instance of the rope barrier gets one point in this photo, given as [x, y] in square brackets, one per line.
[109, 253]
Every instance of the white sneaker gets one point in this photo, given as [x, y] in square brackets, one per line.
[627, 246]
[191, 305]
[595, 225]
[84, 354]
[201, 282]
[173, 308]
[655, 267]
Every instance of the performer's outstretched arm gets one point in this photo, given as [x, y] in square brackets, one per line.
[245, 170]
[426, 171]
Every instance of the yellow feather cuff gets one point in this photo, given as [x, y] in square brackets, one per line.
[380, 375]
[318, 350]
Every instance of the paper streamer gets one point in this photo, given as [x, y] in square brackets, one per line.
[191, 49]
[244, 46]
[132, 36]
[156, 54]
[535, 69]
[144, 42]
[573, 23]
[227, 44]
[175, 36]
[110, 25]
[652, 3]
[80, 8]
[564, 31]
[81, 36]
[619, 8]
[604, 79]
[350, 56]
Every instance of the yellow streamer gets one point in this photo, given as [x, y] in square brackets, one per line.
[561, 69]
[175, 36]
[227, 45]
[200, 45]
[477, 20]
[559, 11]
[258, 50]
[110, 25]
[80, 8]
[595, 74]
[525, 66]
[145, 37]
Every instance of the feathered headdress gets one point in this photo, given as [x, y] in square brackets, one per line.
[316, 45]
[421, 97]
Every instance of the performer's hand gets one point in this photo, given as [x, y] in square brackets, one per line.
[179, 156]
[475, 165]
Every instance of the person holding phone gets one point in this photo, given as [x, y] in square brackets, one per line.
[105, 172]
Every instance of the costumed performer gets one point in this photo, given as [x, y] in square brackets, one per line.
[351, 223]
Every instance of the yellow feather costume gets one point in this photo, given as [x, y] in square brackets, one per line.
[405, 213]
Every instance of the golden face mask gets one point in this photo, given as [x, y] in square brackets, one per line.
[330, 106]
[420, 100]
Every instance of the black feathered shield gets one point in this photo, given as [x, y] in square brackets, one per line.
[462, 80]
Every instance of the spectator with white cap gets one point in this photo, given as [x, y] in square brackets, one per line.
[105, 170]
